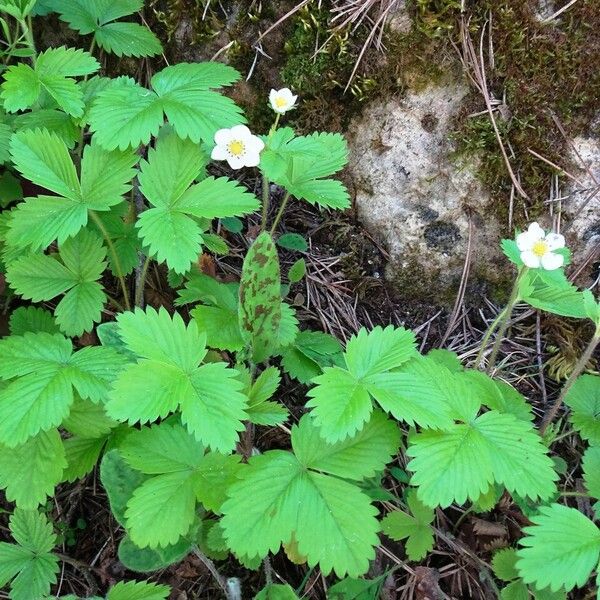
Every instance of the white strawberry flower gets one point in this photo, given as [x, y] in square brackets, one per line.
[538, 248]
[238, 146]
[282, 100]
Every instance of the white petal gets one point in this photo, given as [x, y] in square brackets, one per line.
[254, 144]
[555, 241]
[530, 259]
[272, 96]
[219, 153]
[240, 132]
[526, 240]
[551, 261]
[236, 162]
[252, 159]
[222, 137]
[535, 230]
[286, 93]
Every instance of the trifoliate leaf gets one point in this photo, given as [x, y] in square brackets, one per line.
[53, 74]
[167, 377]
[260, 298]
[126, 114]
[170, 229]
[30, 472]
[584, 401]
[299, 164]
[122, 39]
[181, 474]
[40, 277]
[332, 521]
[44, 370]
[44, 159]
[462, 462]
[29, 566]
[341, 398]
[134, 590]
[31, 319]
[416, 527]
[561, 549]
[551, 291]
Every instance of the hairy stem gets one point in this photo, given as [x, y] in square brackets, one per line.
[504, 320]
[280, 212]
[577, 371]
[26, 27]
[231, 587]
[265, 203]
[114, 255]
[140, 283]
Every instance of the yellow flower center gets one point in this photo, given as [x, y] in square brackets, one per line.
[540, 248]
[236, 147]
[280, 102]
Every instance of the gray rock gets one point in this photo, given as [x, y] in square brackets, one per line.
[415, 197]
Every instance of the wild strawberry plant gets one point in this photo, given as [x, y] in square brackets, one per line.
[166, 405]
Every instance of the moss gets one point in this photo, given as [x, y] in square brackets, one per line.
[542, 70]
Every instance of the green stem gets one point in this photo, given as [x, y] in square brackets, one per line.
[265, 203]
[487, 336]
[115, 256]
[141, 284]
[27, 32]
[280, 212]
[505, 319]
[575, 494]
[577, 371]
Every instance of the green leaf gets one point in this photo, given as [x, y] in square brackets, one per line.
[82, 455]
[126, 114]
[134, 590]
[561, 550]
[359, 457]
[146, 560]
[30, 472]
[17, 8]
[89, 420]
[416, 527]
[32, 319]
[276, 591]
[332, 520]
[292, 241]
[53, 74]
[39, 277]
[10, 188]
[355, 589]
[591, 471]
[298, 164]
[504, 564]
[261, 411]
[53, 120]
[516, 590]
[260, 298]
[370, 353]
[584, 401]
[168, 377]
[462, 462]
[552, 292]
[220, 326]
[44, 370]
[30, 567]
[127, 39]
[119, 481]
[44, 159]
[297, 271]
[170, 229]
